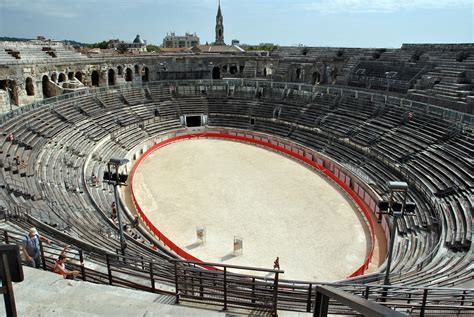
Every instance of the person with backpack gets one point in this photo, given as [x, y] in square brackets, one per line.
[31, 248]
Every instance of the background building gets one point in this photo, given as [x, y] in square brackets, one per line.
[176, 41]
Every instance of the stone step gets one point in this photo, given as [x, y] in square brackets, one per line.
[455, 86]
[77, 298]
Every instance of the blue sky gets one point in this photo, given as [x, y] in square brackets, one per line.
[350, 23]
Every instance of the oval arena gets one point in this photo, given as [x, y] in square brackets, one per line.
[294, 166]
[277, 207]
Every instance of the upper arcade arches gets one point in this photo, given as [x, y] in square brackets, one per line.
[111, 77]
[95, 78]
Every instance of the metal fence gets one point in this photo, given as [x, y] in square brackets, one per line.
[225, 287]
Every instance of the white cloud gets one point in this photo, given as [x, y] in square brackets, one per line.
[357, 6]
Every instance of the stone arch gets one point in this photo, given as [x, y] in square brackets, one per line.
[128, 74]
[70, 75]
[47, 93]
[298, 73]
[137, 69]
[120, 70]
[95, 78]
[267, 71]
[78, 76]
[316, 78]
[13, 91]
[111, 77]
[54, 77]
[146, 74]
[61, 78]
[216, 72]
[30, 87]
[233, 69]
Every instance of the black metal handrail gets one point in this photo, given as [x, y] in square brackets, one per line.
[226, 287]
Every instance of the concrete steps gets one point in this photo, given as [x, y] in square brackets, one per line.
[47, 294]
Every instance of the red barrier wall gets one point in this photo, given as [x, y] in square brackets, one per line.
[273, 145]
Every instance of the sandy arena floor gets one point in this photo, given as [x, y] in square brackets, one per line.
[276, 205]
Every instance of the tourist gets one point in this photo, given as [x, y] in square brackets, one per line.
[60, 266]
[114, 211]
[135, 222]
[94, 179]
[276, 264]
[31, 248]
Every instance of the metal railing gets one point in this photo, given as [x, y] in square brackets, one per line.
[225, 287]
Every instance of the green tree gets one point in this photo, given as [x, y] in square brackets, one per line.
[122, 48]
[152, 48]
[102, 45]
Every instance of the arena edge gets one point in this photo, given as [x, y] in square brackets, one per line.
[353, 187]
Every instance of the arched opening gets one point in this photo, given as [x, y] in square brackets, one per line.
[70, 75]
[30, 88]
[61, 78]
[146, 74]
[54, 77]
[111, 77]
[78, 76]
[298, 73]
[316, 78]
[216, 73]
[233, 69]
[220, 33]
[137, 69]
[95, 78]
[46, 89]
[128, 75]
[267, 71]
[119, 70]
[13, 93]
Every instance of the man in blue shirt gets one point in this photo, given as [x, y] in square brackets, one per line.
[31, 248]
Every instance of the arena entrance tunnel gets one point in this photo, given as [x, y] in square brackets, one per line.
[294, 153]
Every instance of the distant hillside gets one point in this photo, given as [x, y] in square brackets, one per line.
[19, 39]
[13, 39]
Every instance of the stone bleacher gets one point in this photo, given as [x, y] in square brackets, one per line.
[36, 51]
[63, 144]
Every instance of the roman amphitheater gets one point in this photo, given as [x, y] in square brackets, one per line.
[232, 160]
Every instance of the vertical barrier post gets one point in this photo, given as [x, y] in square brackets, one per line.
[7, 289]
[308, 302]
[152, 279]
[109, 270]
[253, 290]
[43, 260]
[225, 288]
[201, 288]
[275, 295]
[83, 270]
[6, 237]
[423, 303]
[176, 282]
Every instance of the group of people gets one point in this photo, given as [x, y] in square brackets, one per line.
[18, 162]
[31, 249]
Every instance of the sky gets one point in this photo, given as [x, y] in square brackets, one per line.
[336, 23]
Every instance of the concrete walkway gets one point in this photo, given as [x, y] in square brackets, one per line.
[47, 294]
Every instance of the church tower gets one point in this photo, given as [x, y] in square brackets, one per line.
[219, 27]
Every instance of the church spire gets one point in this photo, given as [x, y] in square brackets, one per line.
[219, 27]
[219, 13]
